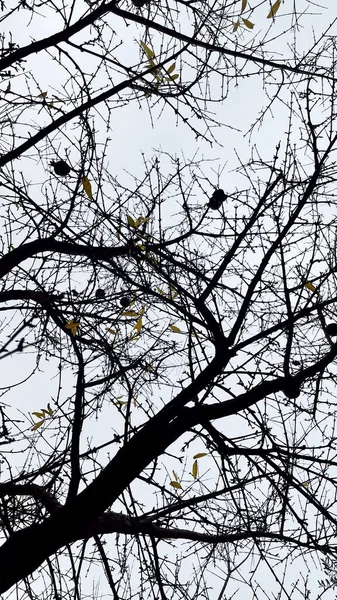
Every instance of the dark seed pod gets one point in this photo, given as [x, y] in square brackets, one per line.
[217, 198]
[331, 329]
[99, 294]
[125, 301]
[60, 167]
[291, 390]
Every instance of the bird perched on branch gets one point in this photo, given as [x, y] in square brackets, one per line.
[60, 167]
[217, 198]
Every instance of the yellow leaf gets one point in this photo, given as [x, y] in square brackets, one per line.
[248, 24]
[171, 68]
[274, 9]
[139, 325]
[37, 425]
[195, 469]
[310, 286]
[131, 222]
[72, 326]
[87, 187]
[111, 331]
[175, 475]
[200, 454]
[134, 338]
[120, 403]
[130, 313]
[44, 412]
[176, 485]
[236, 26]
[38, 415]
[175, 329]
[50, 410]
[149, 53]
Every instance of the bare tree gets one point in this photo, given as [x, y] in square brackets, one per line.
[186, 331]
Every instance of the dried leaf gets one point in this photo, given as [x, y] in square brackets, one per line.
[172, 77]
[175, 329]
[131, 222]
[111, 331]
[42, 95]
[175, 475]
[37, 425]
[248, 24]
[310, 286]
[8, 88]
[176, 485]
[149, 53]
[87, 187]
[171, 68]
[130, 313]
[274, 9]
[72, 326]
[243, 5]
[39, 415]
[236, 26]
[50, 410]
[195, 469]
[139, 325]
[200, 454]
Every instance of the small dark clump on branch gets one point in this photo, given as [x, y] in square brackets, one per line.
[60, 167]
[217, 198]
[331, 329]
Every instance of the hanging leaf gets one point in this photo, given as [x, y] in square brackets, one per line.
[175, 475]
[236, 26]
[248, 24]
[38, 415]
[130, 313]
[37, 425]
[176, 485]
[310, 286]
[274, 9]
[87, 187]
[200, 454]
[175, 329]
[131, 222]
[50, 410]
[149, 53]
[243, 5]
[172, 77]
[139, 325]
[8, 88]
[195, 469]
[72, 326]
[111, 331]
[171, 68]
